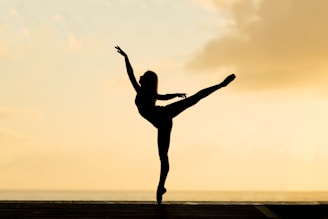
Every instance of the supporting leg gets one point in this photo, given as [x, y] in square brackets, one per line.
[164, 134]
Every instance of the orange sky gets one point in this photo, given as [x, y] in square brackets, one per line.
[68, 119]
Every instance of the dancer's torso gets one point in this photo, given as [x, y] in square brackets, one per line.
[146, 105]
[156, 115]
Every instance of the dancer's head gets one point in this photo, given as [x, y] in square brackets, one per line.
[149, 81]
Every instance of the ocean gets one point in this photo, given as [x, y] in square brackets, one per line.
[198, 196]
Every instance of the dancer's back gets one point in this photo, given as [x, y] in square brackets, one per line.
[145, 103]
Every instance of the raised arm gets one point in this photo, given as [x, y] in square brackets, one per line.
[129, 69]
[170, 96]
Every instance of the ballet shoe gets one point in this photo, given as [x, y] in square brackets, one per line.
[228, 79]
[159, 194]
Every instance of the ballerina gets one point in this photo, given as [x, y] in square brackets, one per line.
[161, 116]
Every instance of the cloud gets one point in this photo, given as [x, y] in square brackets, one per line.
[272, 44]
[204, 4]
[213, 5]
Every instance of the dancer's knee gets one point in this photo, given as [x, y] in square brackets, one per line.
[164, 158]
[192, 100]
[165, 162]
[206, 91]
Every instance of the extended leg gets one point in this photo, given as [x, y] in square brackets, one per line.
[176, 108]
[164, 134]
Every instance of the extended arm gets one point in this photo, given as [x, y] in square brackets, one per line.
[129, 69]
[170, 96]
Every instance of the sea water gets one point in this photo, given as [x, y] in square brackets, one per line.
[210, 196]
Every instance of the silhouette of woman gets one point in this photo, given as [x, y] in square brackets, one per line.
[161, 116]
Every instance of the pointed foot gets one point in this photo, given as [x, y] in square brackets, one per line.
[228, 79]
[159, 195]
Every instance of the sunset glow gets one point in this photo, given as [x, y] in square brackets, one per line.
[67, 114]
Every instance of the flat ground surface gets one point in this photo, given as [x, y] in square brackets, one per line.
[176, 210]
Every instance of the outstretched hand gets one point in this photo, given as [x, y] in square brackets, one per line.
[120, 51]
[182, 95]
